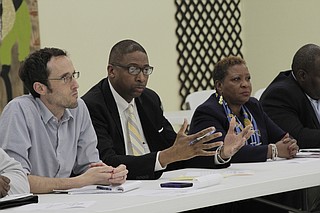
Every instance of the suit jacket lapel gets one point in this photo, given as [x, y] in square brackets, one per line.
[155, 140]
[112, 106]
[309, 111]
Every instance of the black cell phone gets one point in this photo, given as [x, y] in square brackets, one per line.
[176, 184]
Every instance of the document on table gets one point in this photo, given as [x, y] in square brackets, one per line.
[17, 200]
[205, 178]
[200, 181]
[308, 153]
[54, 206]
[103, 189]
[196, 173]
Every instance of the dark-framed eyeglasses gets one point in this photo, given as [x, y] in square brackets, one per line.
[135, 70]
[68, 78]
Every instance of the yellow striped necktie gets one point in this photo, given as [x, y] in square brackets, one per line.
[134, 134]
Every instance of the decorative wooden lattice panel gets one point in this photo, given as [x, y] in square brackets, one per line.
[207, 31]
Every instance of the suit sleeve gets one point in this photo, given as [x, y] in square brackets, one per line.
[293, 112]
[111, 145]
[201, 119]
[107, 124]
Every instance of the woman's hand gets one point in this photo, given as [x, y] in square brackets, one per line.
[287, 147]
[233, 141]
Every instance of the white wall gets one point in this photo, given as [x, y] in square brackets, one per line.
[272, 30]
[88, 30]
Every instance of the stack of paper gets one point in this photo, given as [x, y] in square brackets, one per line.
[207, 180]
[308, 153]
[102, 189]
[202, 180]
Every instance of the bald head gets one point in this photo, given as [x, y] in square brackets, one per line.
[306, 68]
[305, 58]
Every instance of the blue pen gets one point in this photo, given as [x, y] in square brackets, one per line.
[201, 137]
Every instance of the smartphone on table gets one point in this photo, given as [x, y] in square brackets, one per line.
[176, 184]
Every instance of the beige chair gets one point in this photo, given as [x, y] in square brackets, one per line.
[258, 93]
[193, 100]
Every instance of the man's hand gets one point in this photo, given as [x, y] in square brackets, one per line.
[119, 175]
[100, 173]
[4, 186]
[182, 149]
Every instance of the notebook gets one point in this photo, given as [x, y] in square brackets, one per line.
[17, 200]
[102, 189]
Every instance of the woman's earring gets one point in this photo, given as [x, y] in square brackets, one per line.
[221, 100]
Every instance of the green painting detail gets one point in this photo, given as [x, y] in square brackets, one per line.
[16, 35]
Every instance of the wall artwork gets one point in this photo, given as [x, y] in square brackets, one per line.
[19, 35]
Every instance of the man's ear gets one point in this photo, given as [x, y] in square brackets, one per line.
[110, 71]
[40, 88]
[301, 75]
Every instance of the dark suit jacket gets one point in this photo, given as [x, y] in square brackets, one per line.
[288, 106]
[106, 121]
[211, 113]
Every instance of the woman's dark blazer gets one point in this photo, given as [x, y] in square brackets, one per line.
[211, 113]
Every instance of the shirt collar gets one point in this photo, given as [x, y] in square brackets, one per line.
[121, 102]
[47, 115]
[293, 75]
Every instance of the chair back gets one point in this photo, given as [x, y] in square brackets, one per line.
[193, 100]
[258, 93]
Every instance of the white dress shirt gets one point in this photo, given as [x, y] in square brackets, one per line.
[314, 103]
[122, 105]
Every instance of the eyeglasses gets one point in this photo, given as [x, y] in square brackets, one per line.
[68, 78]
[135, 70]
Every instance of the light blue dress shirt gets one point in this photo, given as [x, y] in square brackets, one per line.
[44, 146]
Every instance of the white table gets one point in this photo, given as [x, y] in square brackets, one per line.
[267, 178]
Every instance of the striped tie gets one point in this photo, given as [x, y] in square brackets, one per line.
[134, 134]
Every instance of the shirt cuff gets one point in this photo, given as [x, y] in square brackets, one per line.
[157, 166]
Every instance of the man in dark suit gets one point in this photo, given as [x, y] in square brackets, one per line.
[160, 147]
[292, 100]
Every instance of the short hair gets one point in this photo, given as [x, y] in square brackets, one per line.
[34, 68]
[305, 58]
[122, 48]
[221, 68]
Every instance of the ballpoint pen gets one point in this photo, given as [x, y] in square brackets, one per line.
[201, 137]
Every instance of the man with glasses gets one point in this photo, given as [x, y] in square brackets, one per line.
[50, 132]
[129, 122]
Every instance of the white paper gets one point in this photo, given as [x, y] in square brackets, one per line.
[100, 189]
[308, 155]
[207, 180]
[309, 150]
[55, 206]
